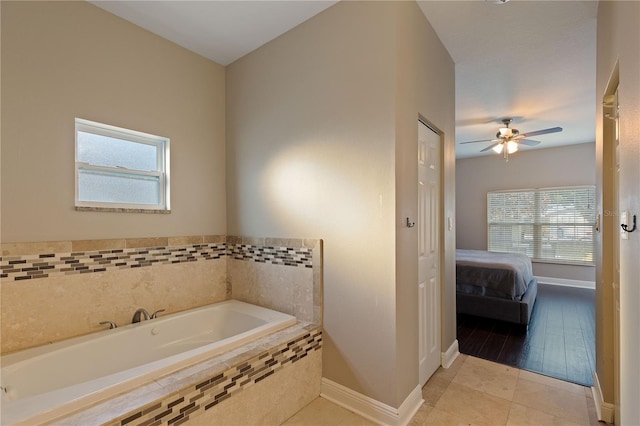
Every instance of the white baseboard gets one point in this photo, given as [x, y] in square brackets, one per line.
[447, 358]
[566, 282]
[370, 408]
[605, 410]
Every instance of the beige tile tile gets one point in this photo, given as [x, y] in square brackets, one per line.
[486, 376]
[214, 239]
[284, 242]
[25, 249]
[443, 418]
[552, 400]
[521, 415]
[323, 412]
[474, 406]
[556, 383]
[147, 242]
[95, 245]
[449, 373]
[35, 312]
[283, 288]
[185, 240]
[433, 389]
[421, 415]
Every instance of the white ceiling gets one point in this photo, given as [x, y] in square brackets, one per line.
[531, 60]
[222, 31]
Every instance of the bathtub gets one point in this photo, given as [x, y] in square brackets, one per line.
[47, 382]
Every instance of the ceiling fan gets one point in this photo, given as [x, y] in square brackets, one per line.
[509, 138]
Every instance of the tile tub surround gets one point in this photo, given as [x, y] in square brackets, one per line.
[296, 291]
[237, 387]
[56, 290]
[77, 292]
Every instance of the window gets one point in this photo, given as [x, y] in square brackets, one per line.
[555, 225]
[120, 169]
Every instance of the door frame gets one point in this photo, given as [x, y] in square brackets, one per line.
[606, 377]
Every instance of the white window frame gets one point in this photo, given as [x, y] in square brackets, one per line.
[534, 221]
[161, 173]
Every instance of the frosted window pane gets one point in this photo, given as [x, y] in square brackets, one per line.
[111, 152]
[101, 187]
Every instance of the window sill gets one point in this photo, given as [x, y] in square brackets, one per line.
[120, 210]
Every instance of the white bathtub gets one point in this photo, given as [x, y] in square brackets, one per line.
[50, 381]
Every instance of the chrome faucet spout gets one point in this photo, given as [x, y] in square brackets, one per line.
[139, 315]
[155, 314]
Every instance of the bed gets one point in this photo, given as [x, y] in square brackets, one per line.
[495, 285]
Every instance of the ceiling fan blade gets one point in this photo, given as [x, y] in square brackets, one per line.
[540, 132]
[490, 146]
[528, 142]
[483, 140]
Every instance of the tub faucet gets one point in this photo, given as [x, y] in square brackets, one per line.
[141, 312]
[155, 314]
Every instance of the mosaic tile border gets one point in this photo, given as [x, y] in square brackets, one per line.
[43, 265]
[274, 255]
[193, 400]
[28, 267]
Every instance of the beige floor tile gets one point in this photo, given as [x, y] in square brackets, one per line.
[486, 376]
[321, 412]
[552, 400]
[457, 396]
[443, 418]
[433, 389]
[449, 373]
[527, 416]
[556, 383]
[420, 418]
[474, 406]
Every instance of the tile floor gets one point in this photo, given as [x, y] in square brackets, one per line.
[474, 391]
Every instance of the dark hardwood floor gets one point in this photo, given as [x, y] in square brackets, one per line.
[560, 341]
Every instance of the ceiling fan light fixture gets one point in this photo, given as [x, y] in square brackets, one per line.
[507, 132]
[498, 148]
[512, 147]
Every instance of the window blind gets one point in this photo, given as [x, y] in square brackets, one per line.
[549, 225]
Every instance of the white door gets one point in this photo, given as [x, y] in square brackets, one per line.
[428, 250]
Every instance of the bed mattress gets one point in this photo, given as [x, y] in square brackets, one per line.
[485, 273]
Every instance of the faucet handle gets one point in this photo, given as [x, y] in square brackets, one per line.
[155, 314]
[111, 324]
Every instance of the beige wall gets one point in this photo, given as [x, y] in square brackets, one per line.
[619, 41]
[62, 60]
[425, 83]
[312, 146]
[540, 168]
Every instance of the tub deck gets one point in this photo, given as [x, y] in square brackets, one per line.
[153, 399]
[49, 382]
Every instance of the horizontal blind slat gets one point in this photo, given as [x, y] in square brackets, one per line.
[548, 224]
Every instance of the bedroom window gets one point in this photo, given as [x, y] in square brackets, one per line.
[555, 225]
[119, 169]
